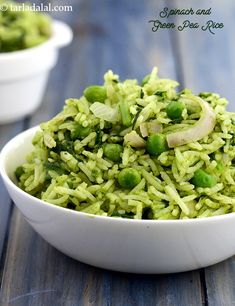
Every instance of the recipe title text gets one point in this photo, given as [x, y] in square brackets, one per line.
[167, 14]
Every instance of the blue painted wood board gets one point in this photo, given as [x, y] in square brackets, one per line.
[116, 35]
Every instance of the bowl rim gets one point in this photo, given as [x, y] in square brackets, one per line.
[24, 134]
[49, 42]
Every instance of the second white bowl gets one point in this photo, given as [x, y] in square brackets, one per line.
[24, 74]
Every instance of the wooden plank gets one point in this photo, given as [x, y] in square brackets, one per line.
[220, 283]
[107, 35]
[7, 131]
[207, 59]
[51, 278]
[208, 65]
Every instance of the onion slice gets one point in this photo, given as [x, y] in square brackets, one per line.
[151, 127]
[134, 140]
[154, 127]
[144, 129]
[202, 128]
[104, 112]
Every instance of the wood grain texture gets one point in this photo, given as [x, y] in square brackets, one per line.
[7, 131]
[220, 283]
[37, 274]
[208, 64]
[207, 60]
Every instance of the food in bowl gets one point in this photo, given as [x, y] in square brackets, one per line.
[26, 72]
[139, 151]
[22, 29]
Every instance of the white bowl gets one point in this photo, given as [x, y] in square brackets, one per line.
[24, 74]
[138, 246]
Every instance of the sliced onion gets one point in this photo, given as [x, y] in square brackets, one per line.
[144, 129]
[134, 140]
[154, 127]
[202, 128]
[104, 112]
[151, 127]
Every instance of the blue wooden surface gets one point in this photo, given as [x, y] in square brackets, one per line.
[116, 35]
[207, 60]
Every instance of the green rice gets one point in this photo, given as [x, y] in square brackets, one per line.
[70, 167]
[22, 28]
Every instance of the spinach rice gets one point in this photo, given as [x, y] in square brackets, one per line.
[141, 151]
[22, 28]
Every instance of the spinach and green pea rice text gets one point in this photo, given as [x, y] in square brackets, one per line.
[136, 151]
[21, 29]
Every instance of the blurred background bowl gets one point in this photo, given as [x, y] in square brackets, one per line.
[24, 74]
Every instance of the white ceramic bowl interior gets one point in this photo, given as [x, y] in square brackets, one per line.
[24, 74]
[138, 246]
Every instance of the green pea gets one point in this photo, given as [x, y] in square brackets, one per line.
[145, 80]
[174, 110]
[80, 132]
[203, 179]
[128, 178]
[113, 151]
[156, 144]
[19, 171]
[95, 93]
